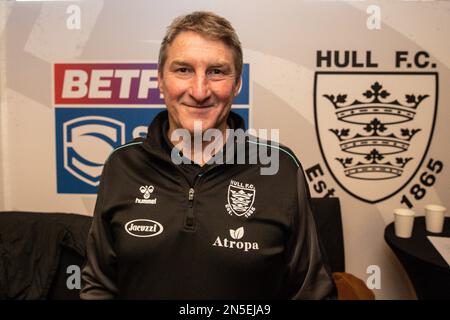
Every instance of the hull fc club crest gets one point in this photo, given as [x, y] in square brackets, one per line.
[374, 129]
[241, 197]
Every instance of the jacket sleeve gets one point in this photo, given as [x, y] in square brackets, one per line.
[98, 274]
[308, 275]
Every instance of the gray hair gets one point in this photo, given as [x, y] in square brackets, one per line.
[209, 25]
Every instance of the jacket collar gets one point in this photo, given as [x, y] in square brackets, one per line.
[156, 141]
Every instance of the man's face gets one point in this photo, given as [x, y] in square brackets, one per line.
[198, 82]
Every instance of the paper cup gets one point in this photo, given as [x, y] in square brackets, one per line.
[404, 222]
[434, 218]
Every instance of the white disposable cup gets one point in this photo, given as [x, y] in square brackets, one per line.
[434, 218]
[404, 222]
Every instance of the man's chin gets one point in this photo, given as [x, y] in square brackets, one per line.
[198, 124]
[198, 128]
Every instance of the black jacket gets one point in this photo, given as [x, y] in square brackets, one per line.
[233, 234]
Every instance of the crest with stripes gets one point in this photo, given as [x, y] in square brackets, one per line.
[241, 197]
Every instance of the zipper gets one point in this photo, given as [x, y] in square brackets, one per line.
[189, 222]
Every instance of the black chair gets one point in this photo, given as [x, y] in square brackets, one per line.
[327, 214]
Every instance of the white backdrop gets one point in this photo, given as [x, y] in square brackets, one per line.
[287, 88]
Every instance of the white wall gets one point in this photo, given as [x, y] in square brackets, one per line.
[280, 41]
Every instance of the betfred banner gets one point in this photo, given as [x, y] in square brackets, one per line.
[117, 84]
[101, 106]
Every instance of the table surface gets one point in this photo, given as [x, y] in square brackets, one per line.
[418, 245]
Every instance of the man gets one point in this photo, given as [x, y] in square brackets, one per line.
[202, 228]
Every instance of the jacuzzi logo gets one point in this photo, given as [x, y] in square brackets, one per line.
[143, 228]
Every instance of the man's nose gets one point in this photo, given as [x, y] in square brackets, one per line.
[199, 89]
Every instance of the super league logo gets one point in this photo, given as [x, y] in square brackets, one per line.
[83, 137]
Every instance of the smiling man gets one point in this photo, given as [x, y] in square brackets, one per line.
[199, 81]
[200, 67]
[198, 78]
[202, 229]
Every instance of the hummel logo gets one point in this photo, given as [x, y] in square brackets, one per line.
[146, 190]
[231, 244]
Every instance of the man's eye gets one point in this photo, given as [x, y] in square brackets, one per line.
[182, 70]
[216, 71]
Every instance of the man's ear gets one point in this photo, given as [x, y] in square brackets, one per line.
[160, 83]
[238, 87]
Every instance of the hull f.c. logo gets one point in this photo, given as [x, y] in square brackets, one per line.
[374, 128]
[241, 197]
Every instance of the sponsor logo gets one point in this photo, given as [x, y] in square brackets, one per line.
[236, 243]
[143, 228]
[117, 83]
[241, 197]
[146, 191]
[374, 137]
